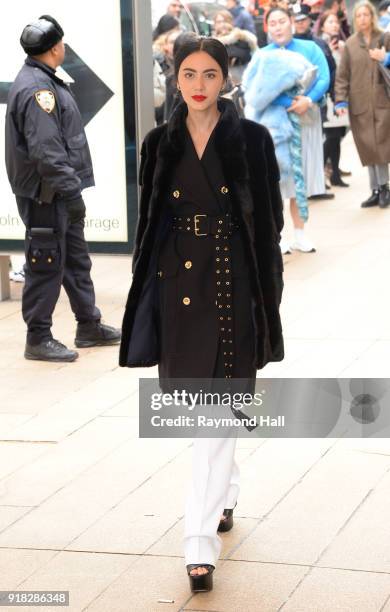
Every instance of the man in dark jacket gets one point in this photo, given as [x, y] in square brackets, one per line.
[49, 164]
[241, 18]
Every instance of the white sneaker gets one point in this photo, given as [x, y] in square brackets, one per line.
[303, 244]
[285, 247]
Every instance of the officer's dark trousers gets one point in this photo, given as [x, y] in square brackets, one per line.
[71, 269]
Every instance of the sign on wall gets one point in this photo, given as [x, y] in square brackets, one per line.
[93, 66]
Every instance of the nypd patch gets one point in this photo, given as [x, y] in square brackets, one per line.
[46, 100]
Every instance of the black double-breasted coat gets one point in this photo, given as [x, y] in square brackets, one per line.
[238, 172]
[205, 300]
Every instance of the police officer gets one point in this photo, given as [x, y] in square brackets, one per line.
[49, 164]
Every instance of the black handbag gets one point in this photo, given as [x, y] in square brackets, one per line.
[384, 71]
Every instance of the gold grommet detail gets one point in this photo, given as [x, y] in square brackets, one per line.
[224, 189]
[186, 301]
[176, 193]
[188, 264]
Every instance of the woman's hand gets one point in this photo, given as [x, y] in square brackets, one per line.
[378, 54]
[300, 105]
[334, 44]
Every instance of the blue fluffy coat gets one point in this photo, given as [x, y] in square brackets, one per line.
[269, 74]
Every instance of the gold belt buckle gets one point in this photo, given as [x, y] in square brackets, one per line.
[196, 228]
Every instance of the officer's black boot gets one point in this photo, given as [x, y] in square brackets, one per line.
[49, 350]
[373, 200]
[95, 333]
[384, 196]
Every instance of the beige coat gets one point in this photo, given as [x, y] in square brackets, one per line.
[359, 82]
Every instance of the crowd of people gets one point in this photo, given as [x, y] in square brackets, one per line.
[331, 80]
[309, 74]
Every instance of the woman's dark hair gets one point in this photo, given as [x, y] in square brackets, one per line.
[189, 42]
[323, 17]
[277, 8]
[166, 23]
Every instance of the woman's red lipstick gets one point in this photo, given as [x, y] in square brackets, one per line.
[199, 98]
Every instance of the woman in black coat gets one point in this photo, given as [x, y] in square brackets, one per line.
[207, 271]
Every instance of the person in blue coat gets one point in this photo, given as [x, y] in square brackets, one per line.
[306, 106]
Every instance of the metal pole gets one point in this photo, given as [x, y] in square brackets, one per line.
[143, 69]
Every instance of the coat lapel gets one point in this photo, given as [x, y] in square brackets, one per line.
[229, 144]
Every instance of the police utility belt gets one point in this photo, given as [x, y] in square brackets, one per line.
[205, 225]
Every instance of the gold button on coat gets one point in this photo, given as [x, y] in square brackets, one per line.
[176, 193]
[188, 264]
[186, 301]
[224, 189]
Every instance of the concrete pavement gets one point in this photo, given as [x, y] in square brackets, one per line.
[88, 507]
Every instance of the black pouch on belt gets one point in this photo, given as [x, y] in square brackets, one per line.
[43, 252]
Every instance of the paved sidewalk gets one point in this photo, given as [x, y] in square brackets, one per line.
[88, 507]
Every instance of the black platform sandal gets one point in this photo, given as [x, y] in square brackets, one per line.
[201, 582]
[227, 523]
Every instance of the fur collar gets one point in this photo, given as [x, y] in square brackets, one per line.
[229, 140]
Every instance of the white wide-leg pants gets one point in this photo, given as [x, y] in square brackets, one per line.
[214, 486]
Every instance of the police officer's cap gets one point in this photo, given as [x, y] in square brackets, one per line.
[40, 36]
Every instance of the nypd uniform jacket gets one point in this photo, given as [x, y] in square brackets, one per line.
[46, 153]
[247, 172]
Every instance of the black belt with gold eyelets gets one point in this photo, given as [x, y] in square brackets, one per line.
[205, 225]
